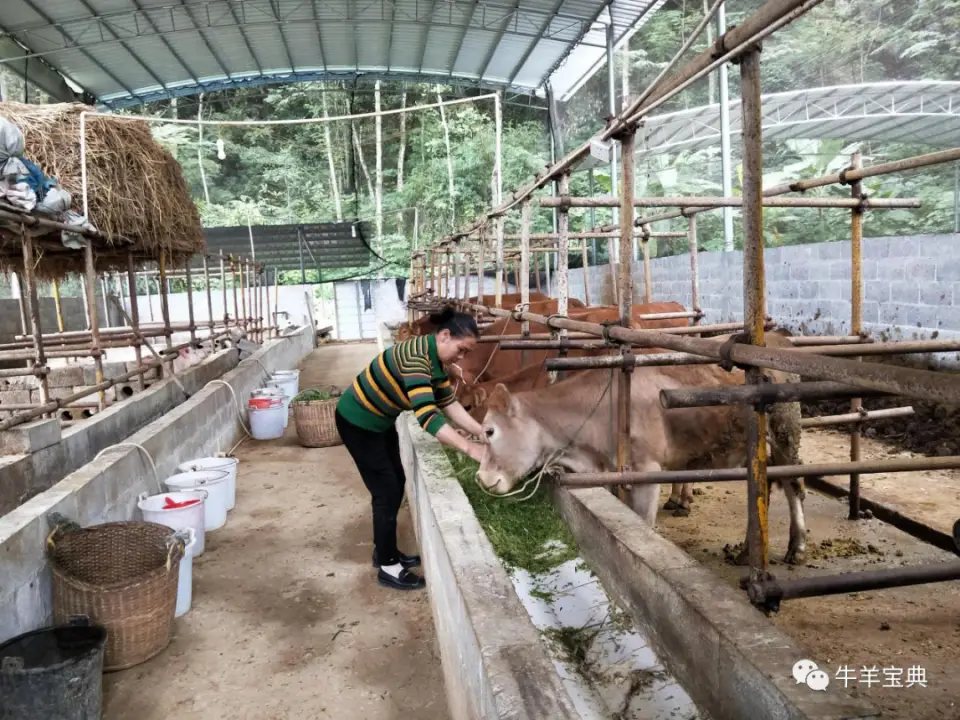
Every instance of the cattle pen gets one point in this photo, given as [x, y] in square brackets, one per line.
[829, 367]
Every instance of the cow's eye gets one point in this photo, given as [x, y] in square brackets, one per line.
[489, 432]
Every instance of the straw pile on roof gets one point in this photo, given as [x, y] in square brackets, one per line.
[135, 188]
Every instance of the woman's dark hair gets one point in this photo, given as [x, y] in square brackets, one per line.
[459, 324]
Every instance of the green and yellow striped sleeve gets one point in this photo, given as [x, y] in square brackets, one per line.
[415, 371]
[444, 394]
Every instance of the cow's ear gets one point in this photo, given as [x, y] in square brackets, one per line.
[480, 396]
[501, 400]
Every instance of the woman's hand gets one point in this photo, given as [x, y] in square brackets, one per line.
[449, 436]
[476, 451]
[461, 417]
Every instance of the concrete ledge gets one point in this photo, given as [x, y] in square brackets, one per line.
[23, 476]
[495, 664]
[731, 659]
[30, 437]
[106, 490]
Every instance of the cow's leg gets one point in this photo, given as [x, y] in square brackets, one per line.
[673, 502]
[797, 547]
[643, 498]
[681, 496]
[785, 431]
[785, 450]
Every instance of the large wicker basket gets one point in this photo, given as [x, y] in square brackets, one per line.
[316, 426]
[123, 576]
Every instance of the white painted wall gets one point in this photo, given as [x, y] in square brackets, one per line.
[346, 313]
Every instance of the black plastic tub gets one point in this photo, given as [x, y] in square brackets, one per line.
[54, 672]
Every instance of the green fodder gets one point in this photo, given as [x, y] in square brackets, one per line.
[530, 535]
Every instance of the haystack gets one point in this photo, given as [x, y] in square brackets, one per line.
[138, 198]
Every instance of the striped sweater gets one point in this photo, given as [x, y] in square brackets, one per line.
[406, 376]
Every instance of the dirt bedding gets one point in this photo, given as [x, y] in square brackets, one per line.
[895, 629]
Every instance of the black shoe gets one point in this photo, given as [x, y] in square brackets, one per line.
[407, 561]
[407, 580]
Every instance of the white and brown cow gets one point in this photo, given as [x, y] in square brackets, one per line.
[576, 417]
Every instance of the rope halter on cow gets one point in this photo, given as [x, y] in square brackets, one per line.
[552, 463]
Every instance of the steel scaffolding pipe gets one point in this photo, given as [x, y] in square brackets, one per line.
[771, 15]
[774, 472]
[768, 594]
[761, 395]
[917, 384]
[98, 389]
[858, 417]
[691, 201]
[850, 175]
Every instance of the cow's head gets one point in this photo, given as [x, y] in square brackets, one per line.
[474, 400]
[514, 442]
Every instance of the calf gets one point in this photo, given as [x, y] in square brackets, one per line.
[574, 426]
[188, 357]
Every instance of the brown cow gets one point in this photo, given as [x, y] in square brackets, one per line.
[542, 305]
[573, 425]
[488, 362]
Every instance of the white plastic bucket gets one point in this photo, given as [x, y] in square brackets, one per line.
[185, 578]
[273, 390]
[215, 483]
[288, 387]
[192, 516]
[267, 423]
[224, 464]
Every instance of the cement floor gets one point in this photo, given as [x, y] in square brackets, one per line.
[287, 621]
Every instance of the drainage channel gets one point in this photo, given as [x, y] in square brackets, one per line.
[604, 661]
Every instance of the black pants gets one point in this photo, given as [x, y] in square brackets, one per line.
[377, 456]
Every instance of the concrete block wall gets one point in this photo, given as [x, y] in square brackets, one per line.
[23, 476]
[106, 490]
[908, 285]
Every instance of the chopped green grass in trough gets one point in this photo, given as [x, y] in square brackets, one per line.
[529, 534]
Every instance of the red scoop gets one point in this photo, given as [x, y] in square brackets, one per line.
[171, 504]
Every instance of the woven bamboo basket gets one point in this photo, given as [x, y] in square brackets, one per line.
[316, 426]
[315, 420]
[123, 576]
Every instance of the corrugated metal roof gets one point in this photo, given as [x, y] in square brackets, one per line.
[130, 51]
[926, 112]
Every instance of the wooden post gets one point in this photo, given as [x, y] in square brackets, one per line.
[647, 273]
[525, 221]
[32, 302]
[266, 297]
[480, 264]
[206, 283]
[58, 304]
[856, 325]
[242, 273]
[754, 315]
[236, 302]
[586, 272]
[91, 287]
[189, 280]
[625, 297]
[223, 289]
[135, 314]
[563, 251]
[165, 305]
[694, 268]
